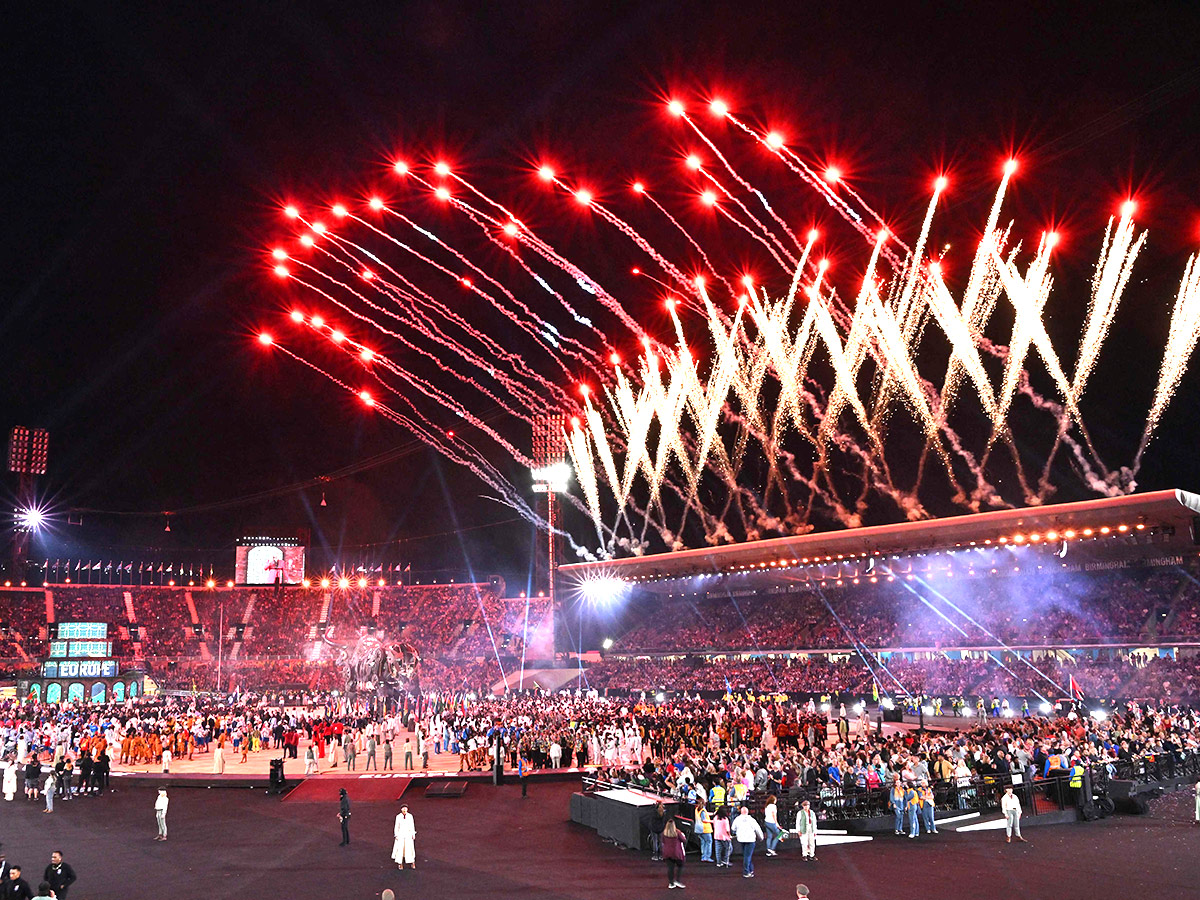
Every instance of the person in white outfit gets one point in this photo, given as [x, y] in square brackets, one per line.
[160, 813]
[806, 824]
[746, 832]
[166, 762]
[218, 760]
[404, 848]
[310, 761]
[10, 779]
[1010, 805]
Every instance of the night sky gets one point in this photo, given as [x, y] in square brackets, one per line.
[147, 158]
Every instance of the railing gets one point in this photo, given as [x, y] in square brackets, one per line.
[1154, 767]
[836, 804]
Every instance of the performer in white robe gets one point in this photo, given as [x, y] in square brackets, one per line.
[10, 780]
[404, 849]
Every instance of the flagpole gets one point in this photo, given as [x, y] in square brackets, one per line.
[220, 643]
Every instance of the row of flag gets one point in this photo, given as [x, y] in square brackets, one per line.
[191, 570]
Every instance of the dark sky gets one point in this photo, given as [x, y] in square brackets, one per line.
[147, 157]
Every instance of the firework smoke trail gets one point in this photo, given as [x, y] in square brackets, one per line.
[797, 165]
[420, 327]
[695, 245]
[518, 382]
[575, 349]
[585, 198]
[765, 237]
[686, 411]
[513, 228]
[462, 454]
[548, 253]
[1181, 341]
[721, 110]
[715, 204]
[415, 295]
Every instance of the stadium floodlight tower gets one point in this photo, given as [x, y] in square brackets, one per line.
[28, 449]
[551, 475]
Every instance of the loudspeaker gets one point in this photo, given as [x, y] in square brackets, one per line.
[1133, 805]
[278, 782]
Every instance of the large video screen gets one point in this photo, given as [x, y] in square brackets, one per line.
[269, 564]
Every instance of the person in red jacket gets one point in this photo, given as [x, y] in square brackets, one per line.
[672, 851]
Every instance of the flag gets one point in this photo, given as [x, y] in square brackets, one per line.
[96, 566]
[160, 568]
[76, 565]
[1073, 686]
[129, 566]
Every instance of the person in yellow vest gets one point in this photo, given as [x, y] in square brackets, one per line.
[912, 802]
[896, 798]
[926, 794]
[704, 832]
[1076, 783]
[717, 795]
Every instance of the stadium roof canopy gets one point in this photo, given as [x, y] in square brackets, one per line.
[1162, 527]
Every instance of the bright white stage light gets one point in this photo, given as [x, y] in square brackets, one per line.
[30, 518]
[603, 591]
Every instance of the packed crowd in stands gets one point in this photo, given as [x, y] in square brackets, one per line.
[444, 621]
[1063, 609]
[1126, 676]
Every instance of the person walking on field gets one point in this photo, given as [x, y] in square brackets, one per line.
[59, 875]
[404, 848]
[48, 791]
[672, 851]
[747, 832]
[160, 813]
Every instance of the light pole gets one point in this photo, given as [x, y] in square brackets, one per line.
[220, 640]
[27, 452]
[550, 476]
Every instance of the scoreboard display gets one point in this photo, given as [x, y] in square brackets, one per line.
[91, 649]
[70, 631]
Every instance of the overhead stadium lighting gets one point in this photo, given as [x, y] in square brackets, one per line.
[603, 591]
